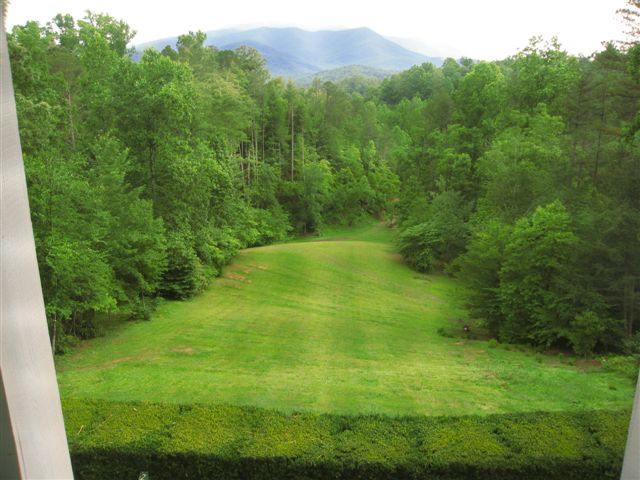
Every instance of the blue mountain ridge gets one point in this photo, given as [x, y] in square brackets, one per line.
[292, 52]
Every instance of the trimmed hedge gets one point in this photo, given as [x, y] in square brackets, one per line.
[120, 440]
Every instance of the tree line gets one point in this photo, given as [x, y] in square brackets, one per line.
[521, 176]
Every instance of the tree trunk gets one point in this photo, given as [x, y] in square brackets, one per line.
[599, 144]
[292, 143]
[152, 173]
[248, 156]
[71, 125]
[254, 145]
[263, 127]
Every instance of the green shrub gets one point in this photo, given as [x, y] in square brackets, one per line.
[416, 246]
[631, 345]
[273, 225]
[64, 343]
[143, 307]
[446, 333]
[120, 440]
[589, 329]
[625, 366]
[182, 279]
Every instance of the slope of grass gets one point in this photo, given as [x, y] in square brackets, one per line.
[333, 325]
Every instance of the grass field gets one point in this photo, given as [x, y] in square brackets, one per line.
[332, 324]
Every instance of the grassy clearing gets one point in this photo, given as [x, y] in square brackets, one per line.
[333, 325]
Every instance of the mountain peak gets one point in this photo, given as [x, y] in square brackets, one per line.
[291, 51]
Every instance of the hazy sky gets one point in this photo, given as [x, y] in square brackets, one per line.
[482, 29]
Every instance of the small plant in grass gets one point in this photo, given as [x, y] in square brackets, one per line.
[443, 332]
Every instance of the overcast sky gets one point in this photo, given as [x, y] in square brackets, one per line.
[481, 29]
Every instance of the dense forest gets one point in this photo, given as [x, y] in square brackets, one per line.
[521, 177]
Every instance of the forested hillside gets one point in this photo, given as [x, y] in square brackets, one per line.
[521, 177]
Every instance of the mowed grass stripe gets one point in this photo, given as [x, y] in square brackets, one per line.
[337, 325]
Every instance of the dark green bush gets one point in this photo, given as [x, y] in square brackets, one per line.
[120, 440]
[143, 307]
[416, 246]
[181, 279]
[631, 345]
[624, 365]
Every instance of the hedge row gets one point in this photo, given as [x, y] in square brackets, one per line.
[121, 440]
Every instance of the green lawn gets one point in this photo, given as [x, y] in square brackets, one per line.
[331, 324]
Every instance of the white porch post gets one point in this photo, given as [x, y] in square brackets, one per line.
[631, 465]
[33, 443]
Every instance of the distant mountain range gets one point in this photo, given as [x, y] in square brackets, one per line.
[293, 52]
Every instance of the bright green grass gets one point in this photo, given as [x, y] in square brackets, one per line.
[336, 325]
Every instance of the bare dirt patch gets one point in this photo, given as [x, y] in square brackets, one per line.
[396, 257]
[116, 361]
[182, 350]
[586, 364]
[235, 276]
[333, 239]
[557, 352]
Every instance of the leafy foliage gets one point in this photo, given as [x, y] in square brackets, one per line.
[441, 238]
[535, 278]
[123, 439]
